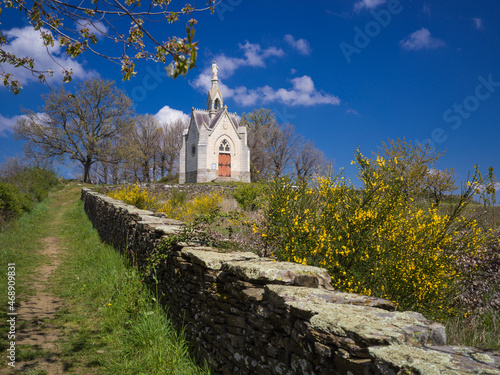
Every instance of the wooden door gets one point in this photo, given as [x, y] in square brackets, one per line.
[224, 165]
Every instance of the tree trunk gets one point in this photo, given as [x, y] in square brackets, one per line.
[86, 169]
[145, 172]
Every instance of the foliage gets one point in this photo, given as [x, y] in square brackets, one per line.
[35, 182]
[107, 298]
[374, 240]
[414, 165]
[475, 330]
[20, 191]
[135, 196]
[176, 206]
[80, 126]
[11, 201]
[201, 204]
[248, 196]
[79, 28]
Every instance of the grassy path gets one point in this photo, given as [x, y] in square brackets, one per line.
[81, 310]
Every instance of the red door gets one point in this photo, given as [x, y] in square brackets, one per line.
[224, 165]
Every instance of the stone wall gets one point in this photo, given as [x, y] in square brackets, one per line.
[250, 315]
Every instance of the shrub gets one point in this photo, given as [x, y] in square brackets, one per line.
[174, 203]
[10, 199]
[35, 182]
[200, 205]
[248, 196]
[373, 240]
[135, 196]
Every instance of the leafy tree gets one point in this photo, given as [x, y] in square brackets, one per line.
[77, 125]
[76, 26]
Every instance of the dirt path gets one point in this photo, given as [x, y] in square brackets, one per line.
[39, 340]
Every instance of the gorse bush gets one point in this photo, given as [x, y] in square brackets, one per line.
[135, 196]
[374, 240]
[176, 207]
[200, 205]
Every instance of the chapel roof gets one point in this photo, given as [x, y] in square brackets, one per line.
[201, 117]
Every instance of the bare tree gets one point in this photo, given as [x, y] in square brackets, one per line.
[438, 183]
[260, 124]
[170, 146]
[281, 147]
[12, 166]
[76, 26]
[145, 143]
[77, 126]
[308, 160]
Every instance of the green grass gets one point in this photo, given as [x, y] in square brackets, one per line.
[118, 326]
[19, 244]
[480, 330]
[110, 321]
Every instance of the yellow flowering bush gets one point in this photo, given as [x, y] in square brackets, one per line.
[373, 240]
[200, 205]
[176, 206]
[135, 196]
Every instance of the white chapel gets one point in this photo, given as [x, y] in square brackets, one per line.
[214, 146]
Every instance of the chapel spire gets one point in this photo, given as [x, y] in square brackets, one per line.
[214, 99]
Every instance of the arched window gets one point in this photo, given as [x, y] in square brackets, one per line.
[217, 104]
[224, 146]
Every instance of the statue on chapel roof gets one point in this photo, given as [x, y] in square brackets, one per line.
[215, 69]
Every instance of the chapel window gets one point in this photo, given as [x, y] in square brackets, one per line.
[224, 146]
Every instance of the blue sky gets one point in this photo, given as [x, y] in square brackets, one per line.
[346, 73]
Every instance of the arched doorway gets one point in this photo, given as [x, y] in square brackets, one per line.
[224, 159]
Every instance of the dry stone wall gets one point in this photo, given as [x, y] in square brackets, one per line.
[249, 315]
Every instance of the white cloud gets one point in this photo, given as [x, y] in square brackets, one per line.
[168, 115]
[421, 39]
[353, 112]
[368, 4]
[7, 124]
[293, 71]
[96, 27]
[301, 45]
[255, 57]
[302, 93]
[478, 23]
[27, 42]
